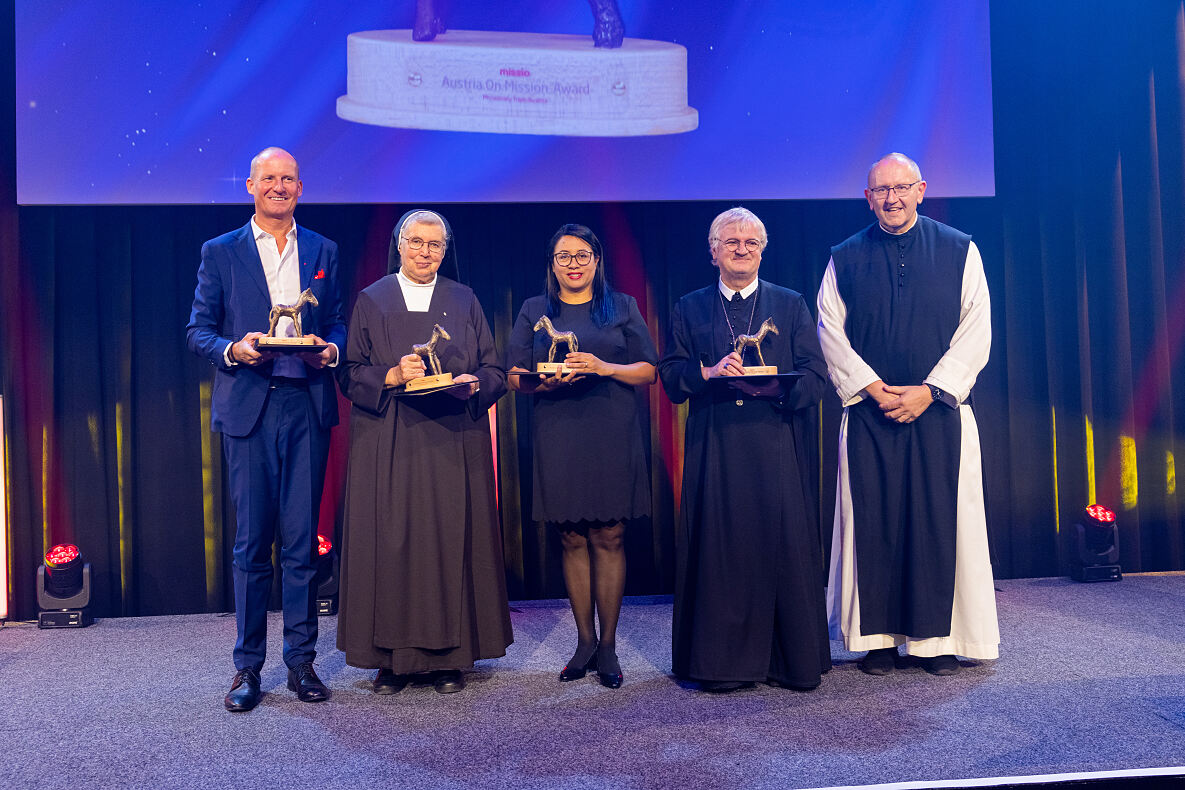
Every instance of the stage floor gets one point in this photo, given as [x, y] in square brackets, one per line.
[1090, 678]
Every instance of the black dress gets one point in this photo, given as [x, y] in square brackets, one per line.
[748, 564]
[588, 460]
[423, 582]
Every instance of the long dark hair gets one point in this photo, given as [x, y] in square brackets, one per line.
[602, 301]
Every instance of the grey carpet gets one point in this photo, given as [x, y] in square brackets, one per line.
[1090, 678]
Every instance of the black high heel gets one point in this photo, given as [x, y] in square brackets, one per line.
[610, 679]
[576, 673]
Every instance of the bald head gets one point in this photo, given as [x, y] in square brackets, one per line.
[271, 152]
[900, 159]
[275, 185]
[895, 190]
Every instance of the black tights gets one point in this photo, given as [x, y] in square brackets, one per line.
[594, 572]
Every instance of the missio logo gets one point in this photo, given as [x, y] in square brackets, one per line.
[514, 73]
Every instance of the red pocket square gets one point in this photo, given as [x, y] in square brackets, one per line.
[320, 275]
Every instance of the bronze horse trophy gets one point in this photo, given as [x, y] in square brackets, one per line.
[290, 311]
[557, 337]
[746, 341]
[428, 350]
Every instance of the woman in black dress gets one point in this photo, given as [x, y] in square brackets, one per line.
[590, 473]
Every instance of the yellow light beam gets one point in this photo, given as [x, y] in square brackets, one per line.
[121, 479]
[1129, 480]
[1057, 511]
[45, 545]
[1090, 481]
[210, 523]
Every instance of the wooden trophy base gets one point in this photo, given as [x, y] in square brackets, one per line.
[552, 368]
[516, 83]
[429, 382]
[288, 345]
[761, 370]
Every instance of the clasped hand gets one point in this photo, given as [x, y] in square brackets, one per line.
[901, 404]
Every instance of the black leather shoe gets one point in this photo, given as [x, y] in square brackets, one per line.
[449, 682]
[941, 665]
[574, 671]
[244, 691]
[304, 681]
[879, 662]
[387, 682]
[721, 686]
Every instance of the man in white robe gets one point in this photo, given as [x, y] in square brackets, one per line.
[904, 323]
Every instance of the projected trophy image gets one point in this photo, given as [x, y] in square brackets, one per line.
[430, 77]
[608, 29]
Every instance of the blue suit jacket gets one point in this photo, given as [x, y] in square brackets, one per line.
[232, 299]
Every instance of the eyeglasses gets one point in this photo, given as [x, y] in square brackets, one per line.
[582, 258]
[434, 247]
[900, 190]
[732, 245]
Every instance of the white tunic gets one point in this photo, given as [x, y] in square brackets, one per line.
[974, 632]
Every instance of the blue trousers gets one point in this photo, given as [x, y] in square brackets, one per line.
[276, 474]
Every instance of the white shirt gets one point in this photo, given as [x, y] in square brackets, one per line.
[282, 272]
[417, 296]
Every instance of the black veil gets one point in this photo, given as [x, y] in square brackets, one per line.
[449, 267]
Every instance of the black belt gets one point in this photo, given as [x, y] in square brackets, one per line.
[285, 382]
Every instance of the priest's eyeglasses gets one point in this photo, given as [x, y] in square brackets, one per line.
[582, 258]
[900, 190]
[732, 245]
[434, 247]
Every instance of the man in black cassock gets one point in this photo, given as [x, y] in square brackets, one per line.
[423, 590]
[905, 324]
[748, 564]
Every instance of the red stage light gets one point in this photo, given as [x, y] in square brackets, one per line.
[63, 570]
[324, 546]
[1101, 514]
[60, 555]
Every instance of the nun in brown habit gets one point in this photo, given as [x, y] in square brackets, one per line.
[423, 591]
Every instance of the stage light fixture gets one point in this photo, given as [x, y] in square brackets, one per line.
[64, 589]
[328, 565]
[1096, 543]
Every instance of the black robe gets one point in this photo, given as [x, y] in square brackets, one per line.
[423, 583]
[748, 563]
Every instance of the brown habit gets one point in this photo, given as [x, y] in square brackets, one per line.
[423, 583]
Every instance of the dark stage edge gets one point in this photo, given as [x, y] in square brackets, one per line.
[1091, 679]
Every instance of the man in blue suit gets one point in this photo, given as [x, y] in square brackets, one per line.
[274, 412]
